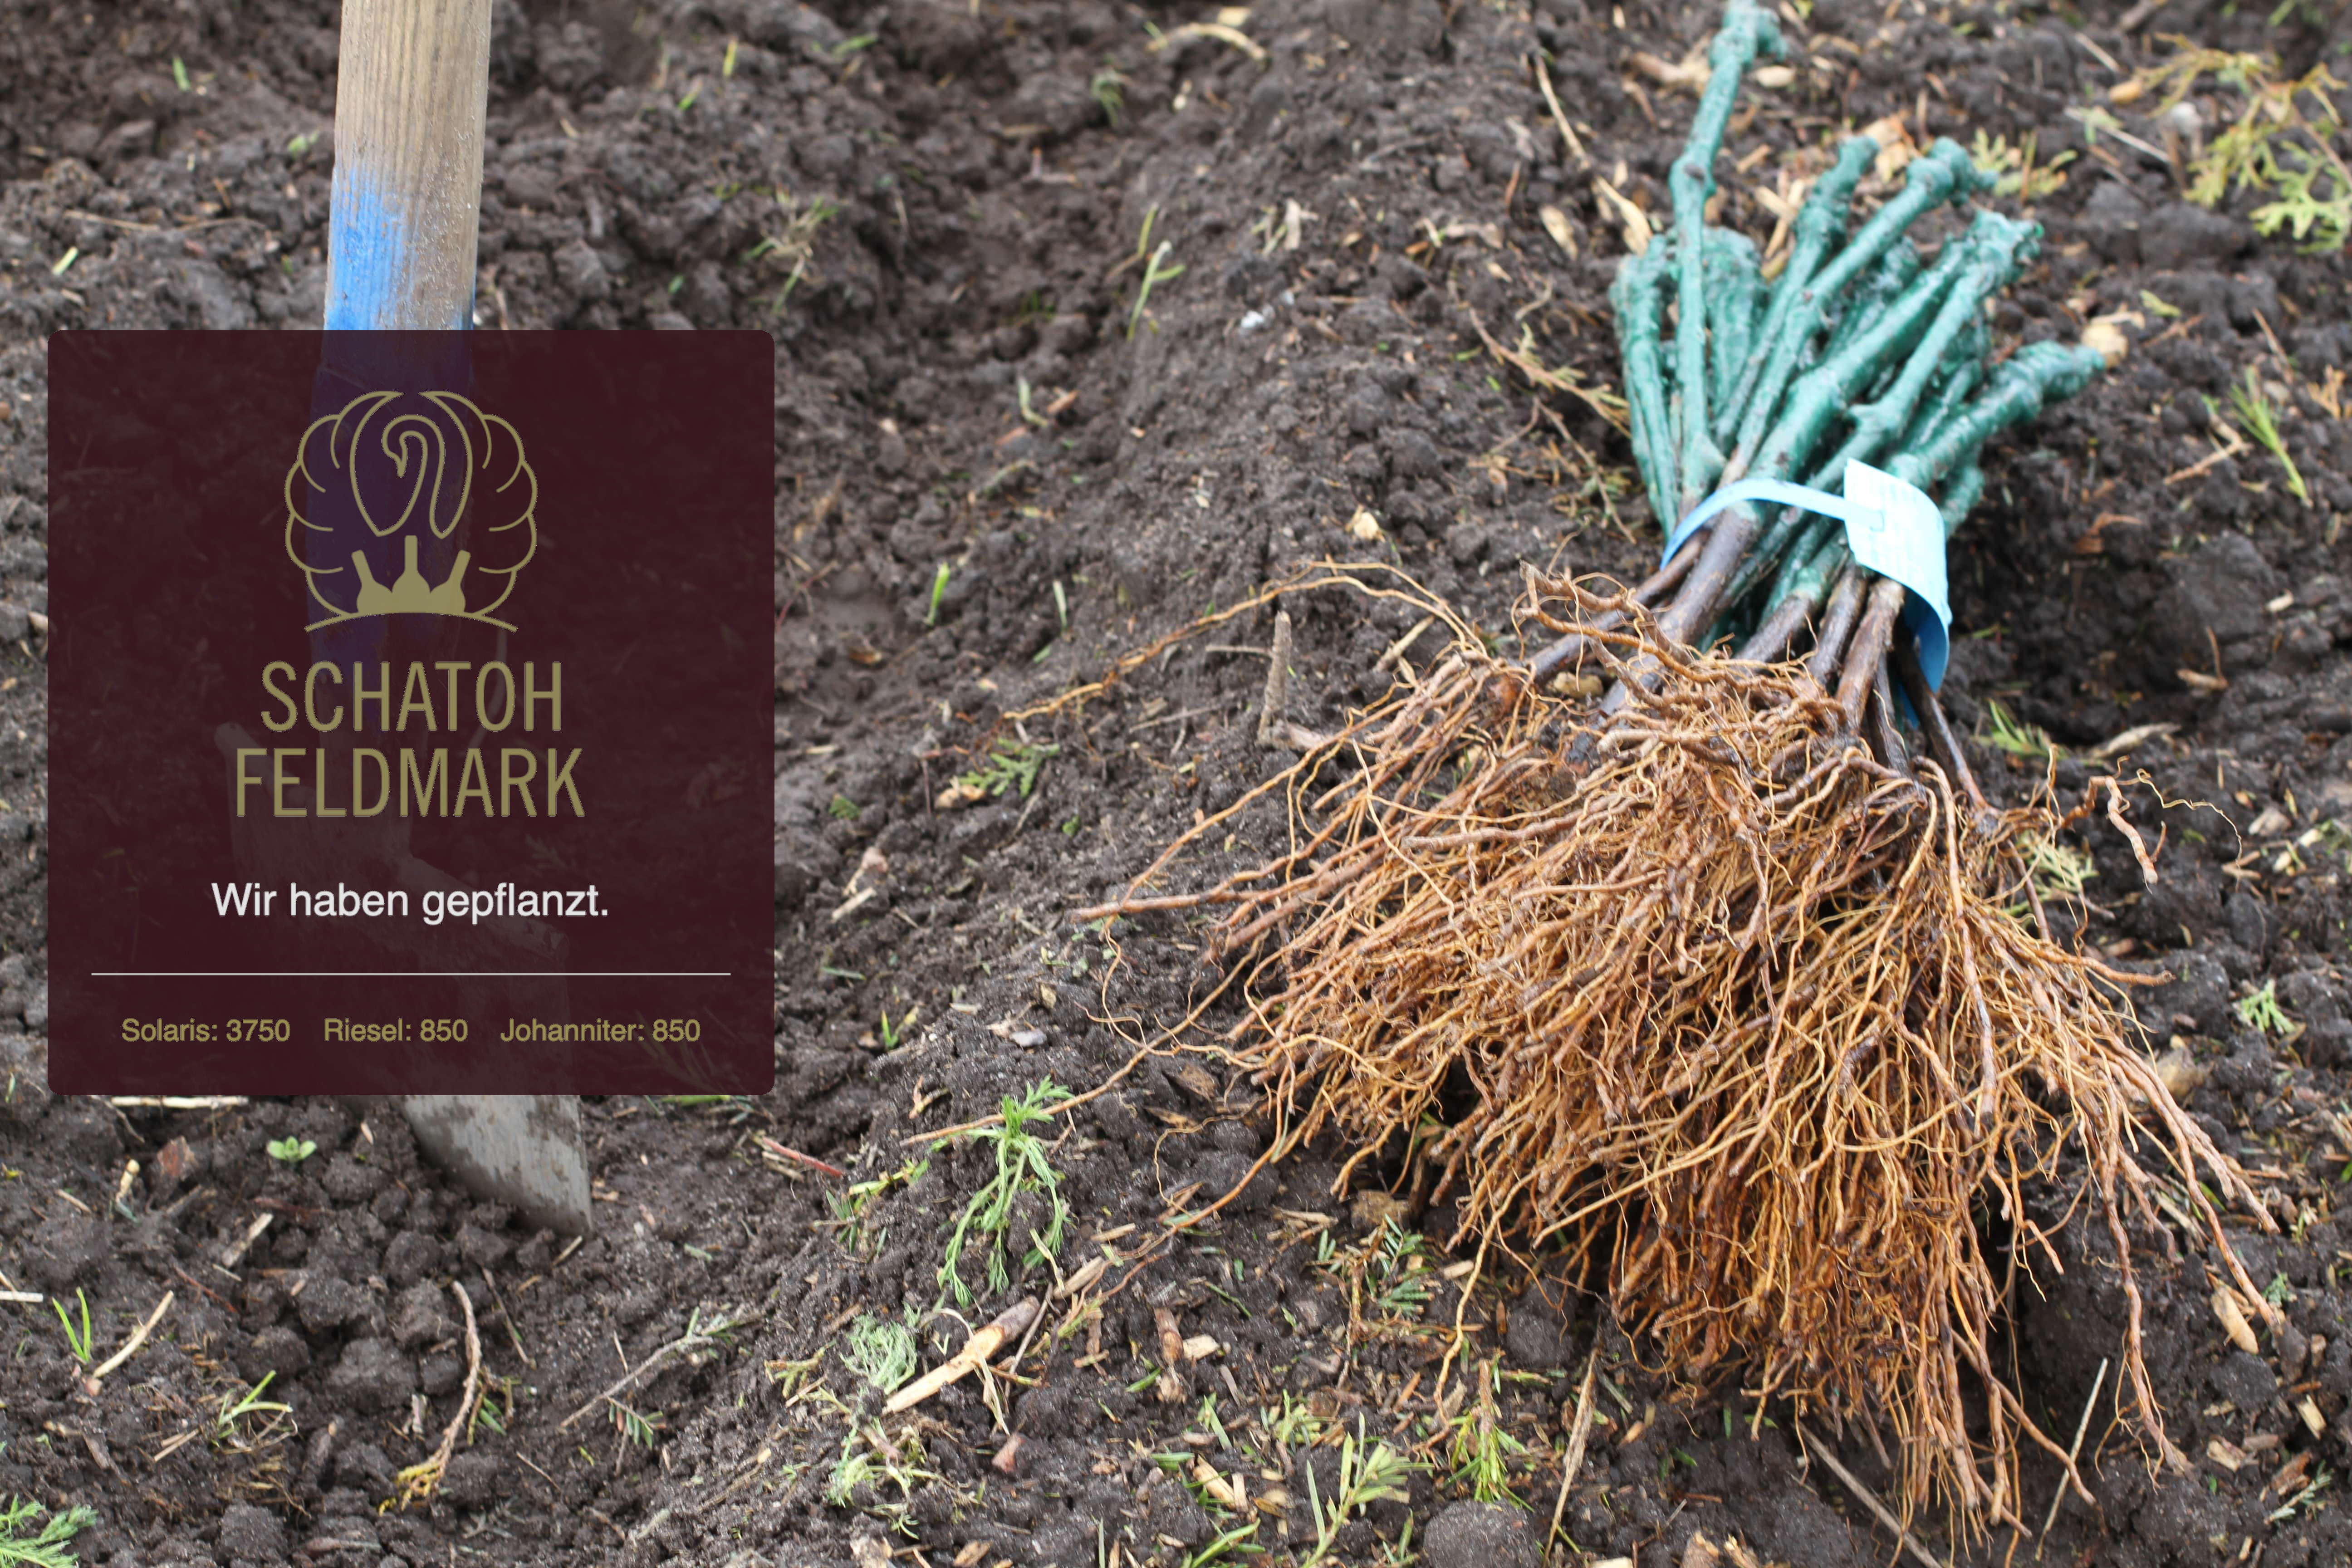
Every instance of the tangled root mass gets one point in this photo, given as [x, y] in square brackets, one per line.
[1764, 1024]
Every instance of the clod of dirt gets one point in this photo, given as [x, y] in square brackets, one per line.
[1481, 1535]
[276, 1350]
[472, 1480]
[418, 1320]
[250, 1534]
[372, 1375]
[65, 1251]
[1536, 1336]
[2244, 1382]
[2215, 607]
[328, 1303]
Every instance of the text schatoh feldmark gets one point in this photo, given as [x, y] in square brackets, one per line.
[456, 699]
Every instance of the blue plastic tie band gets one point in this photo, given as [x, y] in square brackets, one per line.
[1892, 528]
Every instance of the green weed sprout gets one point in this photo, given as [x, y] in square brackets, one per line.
[1155, 271]
[2059, 870]
[2006, 734]
[939, 593]
[1400, 1283]
[853, 1469]
[1022, 1166]
[291, 1150]
[21, 1545]
[78, 1341]
[879, 1350]
[1481, 1450]
[1008, 767]
[1109, 87]
[644, 1431]
[1366, 1475]
[2260, 420]
[2260, 1010]
[234, 1407]
[2269, 143]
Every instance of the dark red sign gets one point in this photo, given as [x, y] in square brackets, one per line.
[410, 712]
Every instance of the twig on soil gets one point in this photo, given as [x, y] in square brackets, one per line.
[1273, 728]
[1559, 115]
[1234, 36]
[810, 581]
[230, 1258]
[698, 1336]
[983, 1343]
[1576, 1435]
[507, 1319]
[417, 1481]
[138, 1337]
[2231, 444]
[177, 1101]
[1814, 1448]
[1152, 650]
[1058, 1107]
[2073, 1450]
[1610, 409]
[796, 1156]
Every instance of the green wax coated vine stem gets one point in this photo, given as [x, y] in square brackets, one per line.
[1874, 297]
[1746, 30]
[1735, 292]
[1826, 391]
[1997, 250]
[1633, 299]
[1896, 273]
[2037, 375]
[1951, 344]
[1960, 493]
[1963, 371]
[1818, 223]
[1943, 173]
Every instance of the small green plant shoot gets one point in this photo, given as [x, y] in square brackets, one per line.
[77, 1341]
[291, 1150]
[1021, 1167]
[2260, 420]
[1109, 87]
[1009, 766]
[2005, 732]
[2260, 1010]
[32, 1537]
[2013, 168]
[1366, 1475]
[644, 1431]
[879, 1350]
[2279, 139]
[235, 1406]
[938, 592]
[1155, 271]
[1481, 1450]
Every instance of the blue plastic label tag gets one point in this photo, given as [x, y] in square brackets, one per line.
[1891, 529]
[1896, 532]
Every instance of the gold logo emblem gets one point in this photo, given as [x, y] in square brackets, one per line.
[411, 467]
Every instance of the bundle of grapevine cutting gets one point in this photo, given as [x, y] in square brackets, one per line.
[1713, 984]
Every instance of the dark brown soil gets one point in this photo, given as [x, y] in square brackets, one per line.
[983, 171]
